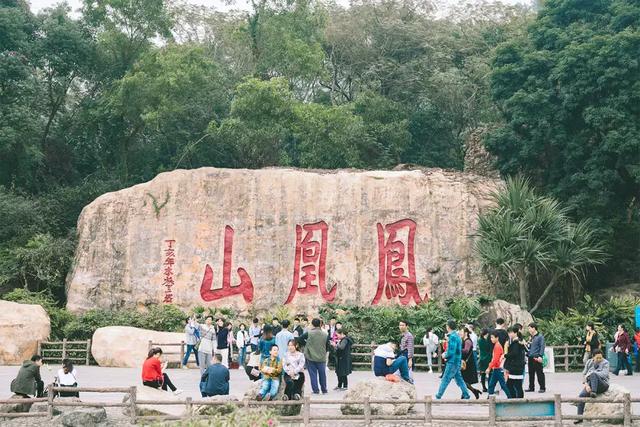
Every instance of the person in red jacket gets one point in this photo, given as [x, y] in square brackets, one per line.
[495, 371]
[622, 346]
[152, 375]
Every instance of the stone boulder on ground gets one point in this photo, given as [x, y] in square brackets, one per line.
[607, 409]
[21, 326]
[379, 388]
[15, 407]
[285, 410]
[127, 347]
[229, 406]
[150, 393]
[511, 313]
[84, 417]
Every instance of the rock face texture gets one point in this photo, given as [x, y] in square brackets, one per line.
[127, 347]
[616, 392]
[21, 326]
[511, 313]
[236, 238]
[379, 388]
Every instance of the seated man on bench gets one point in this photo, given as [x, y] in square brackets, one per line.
[596, 378]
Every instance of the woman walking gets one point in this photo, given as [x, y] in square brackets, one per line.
[469, 369]
[485, 347]
[514, 361]
[622, 346]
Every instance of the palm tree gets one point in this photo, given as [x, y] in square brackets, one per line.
[526, 236]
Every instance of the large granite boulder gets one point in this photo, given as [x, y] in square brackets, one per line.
[608, 409]
[83, 417]
[285, 410]
[262, 238]
[21, 326]
[380, 388]
[127, 347]
[10, 408]
[150, 393]
[511, 313]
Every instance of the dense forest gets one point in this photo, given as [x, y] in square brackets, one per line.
[99, 100]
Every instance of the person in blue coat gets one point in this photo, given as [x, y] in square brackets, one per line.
[453, 358]
[215, 380]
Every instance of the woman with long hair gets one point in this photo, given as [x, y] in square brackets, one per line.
[469, 368]
[514, 361]
[67, 377]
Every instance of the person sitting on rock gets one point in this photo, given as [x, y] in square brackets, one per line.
[28, 382]
[215, 381]
[253, 365]
[271, 369]
[152, 375]
[596, 378]
[385, 362]
[293, 366]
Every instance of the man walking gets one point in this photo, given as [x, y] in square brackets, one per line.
[406, 343]
[535, 357]
[453, 359]
[315, 353]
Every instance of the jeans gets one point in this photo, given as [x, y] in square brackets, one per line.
[205, 359]
[317, 369]
[242, 355]
[596, 387]
[166, 382]
[452, 372]
[535, 368]
[293, 386]
[497, 376]
[515, 388]
[190, 348]
[343, 382]
[623, 363]
[400, 364]
[269, 386]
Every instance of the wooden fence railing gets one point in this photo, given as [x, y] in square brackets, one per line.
[306, 416]
[79, 352]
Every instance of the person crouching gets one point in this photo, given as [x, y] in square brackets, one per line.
[271, 369]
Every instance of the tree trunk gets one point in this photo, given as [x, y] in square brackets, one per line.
[524, 292]
[550, 286]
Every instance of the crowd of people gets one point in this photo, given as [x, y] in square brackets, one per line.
[279, 353]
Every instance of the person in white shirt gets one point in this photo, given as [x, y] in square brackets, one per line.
[242, 342]
[207, 338]
[293, 367]
[430, 341]
[282, 338]
[67, 377]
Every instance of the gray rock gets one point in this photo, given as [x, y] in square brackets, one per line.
[511, 313]
[15, 407]
[379, 388]
[284, 410]
[603, 409]
[84, 417]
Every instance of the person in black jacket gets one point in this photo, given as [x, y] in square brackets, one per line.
[514, 361]
[343, 358]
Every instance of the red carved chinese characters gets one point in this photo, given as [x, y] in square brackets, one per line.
[245, 287]
[396, 262]
[169, 261]
[309, 269]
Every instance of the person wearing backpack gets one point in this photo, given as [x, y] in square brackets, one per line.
[430, 341]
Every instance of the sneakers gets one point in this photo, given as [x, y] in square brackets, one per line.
[337, 388]
[409, 380]
[297, 397]
[542, 390]
[177, 392]
[184, 367]
[285, 397]
[259, 398]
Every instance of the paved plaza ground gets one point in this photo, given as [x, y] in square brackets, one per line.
[567, 384]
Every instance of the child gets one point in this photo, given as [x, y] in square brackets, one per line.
[271, 369]
[495, 372]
